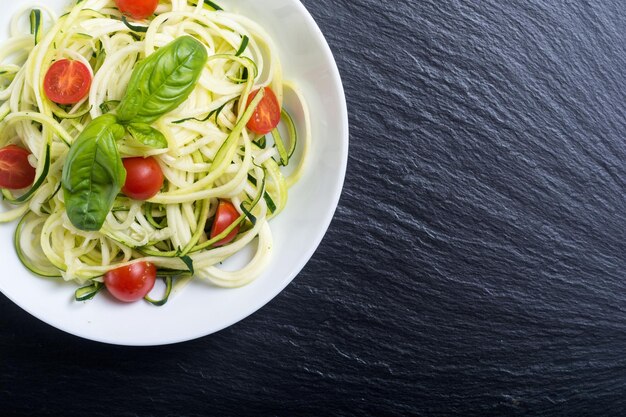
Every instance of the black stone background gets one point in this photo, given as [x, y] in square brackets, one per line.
[475, 265]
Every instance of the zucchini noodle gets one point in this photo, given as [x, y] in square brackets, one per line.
[210, 156]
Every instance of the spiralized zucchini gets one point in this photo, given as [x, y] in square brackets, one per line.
[169, 229]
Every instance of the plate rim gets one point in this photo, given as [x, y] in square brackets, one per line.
[268, 296]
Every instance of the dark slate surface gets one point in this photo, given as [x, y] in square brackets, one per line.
[475, 265]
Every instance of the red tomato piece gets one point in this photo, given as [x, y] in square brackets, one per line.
[225, 216]
[137, 9]
[144, 177]
[67, 81]
[15, 170]
[132, 282]
[266, 116]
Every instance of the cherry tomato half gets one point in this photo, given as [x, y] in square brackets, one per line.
[67, 81]
[144, 177]
[132, 282]
[225, 216]
[137, 9]
[266, 116]
[15, 170]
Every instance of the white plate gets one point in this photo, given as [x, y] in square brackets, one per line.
[200, 309]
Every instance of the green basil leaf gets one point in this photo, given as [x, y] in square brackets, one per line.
[147, 135]
[93, 173]
[162, 81]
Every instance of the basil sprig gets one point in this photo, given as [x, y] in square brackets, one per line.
[161, 82]
[94, 174]
[147, 135]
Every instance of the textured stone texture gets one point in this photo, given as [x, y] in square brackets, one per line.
[475, 265]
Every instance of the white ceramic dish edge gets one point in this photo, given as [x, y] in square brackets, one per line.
[72, 320]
